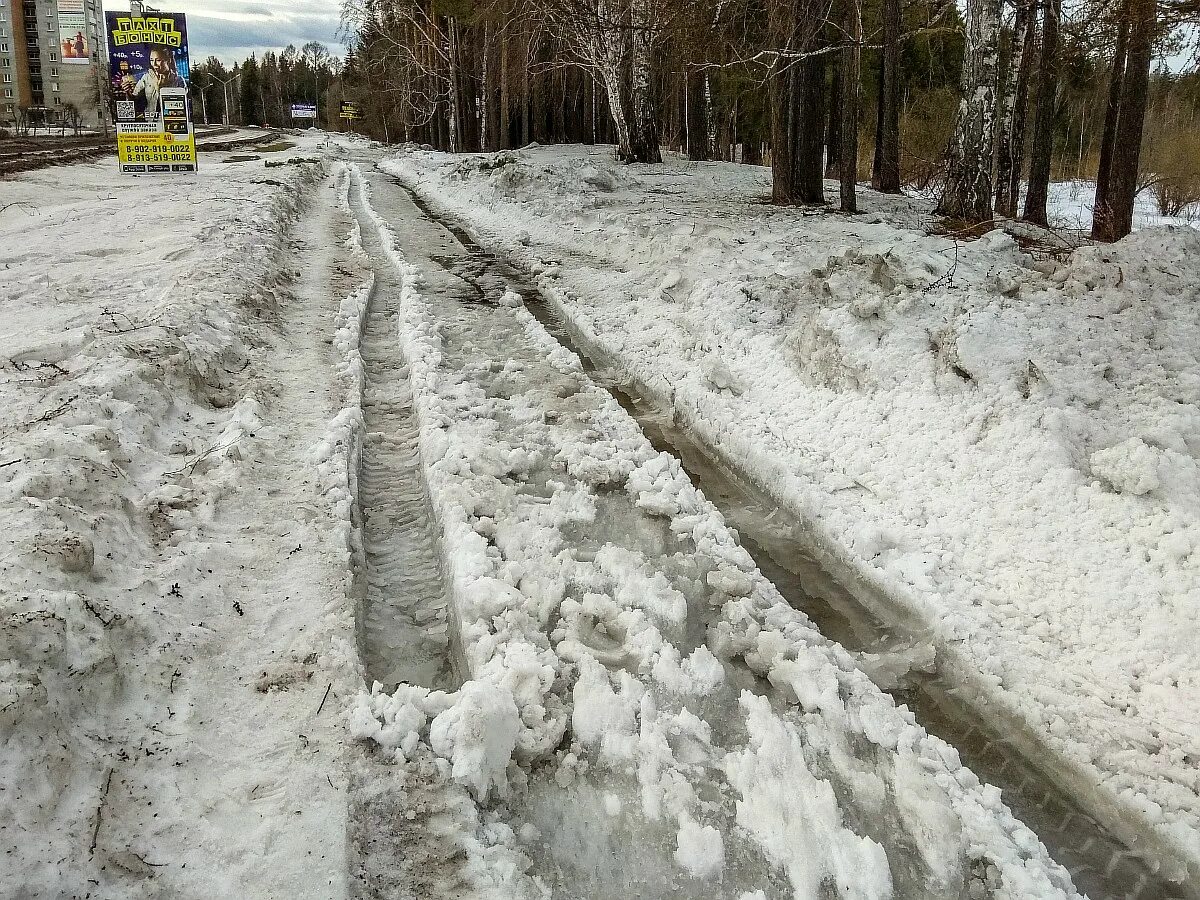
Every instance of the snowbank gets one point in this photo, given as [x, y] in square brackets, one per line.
[1002, 446]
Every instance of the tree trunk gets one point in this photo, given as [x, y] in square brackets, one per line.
[1101, 210]
[833, 130]
[644, 125]
[711, 120]
[885, 172]
[851, 60]
[811, 123]
[1122, 188]
[525, 92]
[1006, 150]
[452, 54]
[490, 119]
[968, 193]
[785, 110]
[506, 140]
[1043, 123]
[699, 146]
[589, 109]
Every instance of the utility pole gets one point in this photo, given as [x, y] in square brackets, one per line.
[225, 82]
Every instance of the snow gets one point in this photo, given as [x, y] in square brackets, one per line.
[1000, 447]
[1069, 205]
[630, 707]
[619, 712]
[172, 612]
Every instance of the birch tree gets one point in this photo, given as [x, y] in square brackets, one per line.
[1010, 138]
[968, 192]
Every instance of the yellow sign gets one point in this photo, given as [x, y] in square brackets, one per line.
[156, 150]
[150, 30]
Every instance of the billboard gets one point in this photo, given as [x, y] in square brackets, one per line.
[148, 79]
[73, 45]
[350, 110]
[304, 110]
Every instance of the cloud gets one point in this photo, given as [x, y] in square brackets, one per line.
[231, 31]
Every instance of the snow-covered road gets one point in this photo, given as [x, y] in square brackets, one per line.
[333, 569]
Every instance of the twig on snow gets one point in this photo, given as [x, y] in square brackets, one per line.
[191, 466]
[100, 814]
[52, 414]
[328, 688]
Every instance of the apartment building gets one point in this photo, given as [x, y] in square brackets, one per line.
[51, 60]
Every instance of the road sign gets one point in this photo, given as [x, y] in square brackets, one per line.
[350, 110]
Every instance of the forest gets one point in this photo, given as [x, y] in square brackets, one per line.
[982, 106]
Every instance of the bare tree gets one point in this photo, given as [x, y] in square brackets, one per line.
[1043, 123]
[885, 170]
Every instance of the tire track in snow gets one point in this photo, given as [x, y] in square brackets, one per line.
[403, 628]
[400, 837]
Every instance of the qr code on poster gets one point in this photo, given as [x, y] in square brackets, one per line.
[126, 109]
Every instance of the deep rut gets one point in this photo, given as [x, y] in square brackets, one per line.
[398, 847]
[402, 626]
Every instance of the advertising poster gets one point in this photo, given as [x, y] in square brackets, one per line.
[304, 111]
[72, 33]
[148, 76]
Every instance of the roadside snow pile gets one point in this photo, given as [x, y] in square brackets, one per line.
[633, 680]
[1005, 447]
[134, 313]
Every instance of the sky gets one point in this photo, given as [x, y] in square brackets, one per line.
[232, 30]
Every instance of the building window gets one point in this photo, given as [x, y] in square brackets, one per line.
[54, 86]
[58, 101]
[8, 78]
[53, 56]
[8, 92]
[3, 48]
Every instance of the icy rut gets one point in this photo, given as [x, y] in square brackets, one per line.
[402, 621]
[1103, 864]
[400, 841]
[675, 729]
